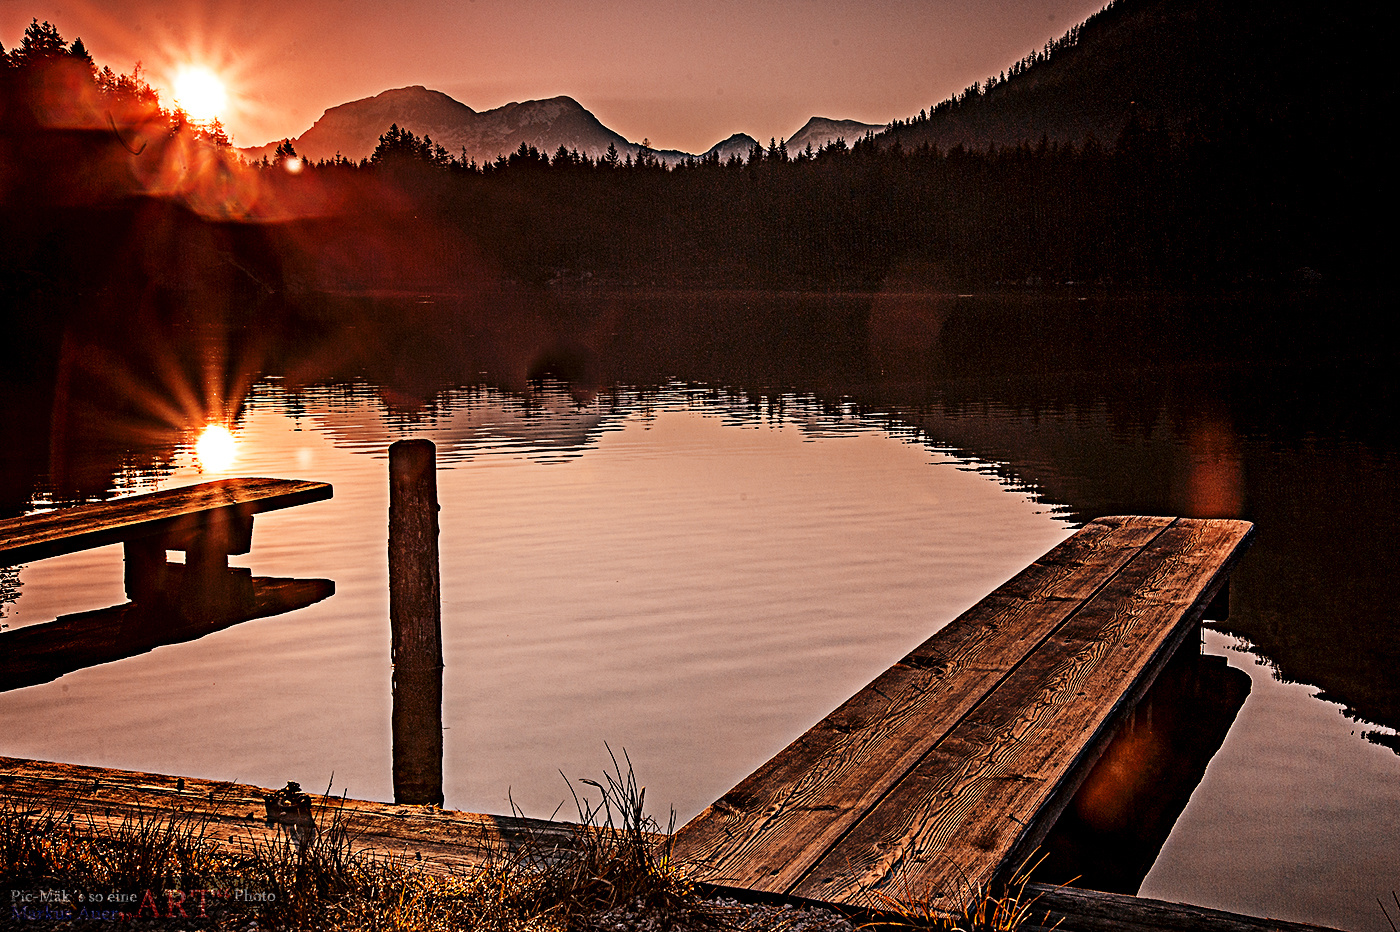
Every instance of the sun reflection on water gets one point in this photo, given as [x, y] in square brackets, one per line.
[216, 449]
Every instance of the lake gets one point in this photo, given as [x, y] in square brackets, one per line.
[688, 525]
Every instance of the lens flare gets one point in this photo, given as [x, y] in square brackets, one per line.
[216, 449]
[200, 92]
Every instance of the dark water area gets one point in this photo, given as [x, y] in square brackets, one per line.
[1276, 407]
[1113, 829]
[1291, 428]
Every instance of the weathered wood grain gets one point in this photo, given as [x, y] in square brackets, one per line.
[443, 841]
[992, 787]
[415, 622]
[767, 832]
[943, 773]
[934, 780]
[170, 512]
[233, 814]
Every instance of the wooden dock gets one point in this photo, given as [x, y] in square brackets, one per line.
[210, 515]
[444, 842]
[944, 774]
[938, 779]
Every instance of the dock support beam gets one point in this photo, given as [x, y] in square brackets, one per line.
[415, 615]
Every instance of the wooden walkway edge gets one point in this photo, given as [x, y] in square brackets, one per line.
[234, 813]
[171, 513]
[1070, 909]
[443, 842]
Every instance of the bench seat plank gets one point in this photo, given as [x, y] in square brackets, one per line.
[67, 530]
[916, 767]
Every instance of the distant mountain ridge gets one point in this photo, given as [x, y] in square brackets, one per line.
[1171, 64]
[820, 131]
[352, 129]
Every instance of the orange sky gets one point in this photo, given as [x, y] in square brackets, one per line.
[682, 74]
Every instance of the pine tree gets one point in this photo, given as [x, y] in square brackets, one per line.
[216, 135]
[41, 42]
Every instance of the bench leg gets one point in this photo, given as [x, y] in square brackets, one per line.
[144, 570]
[203, 561]
[203, 589]
[147, 575]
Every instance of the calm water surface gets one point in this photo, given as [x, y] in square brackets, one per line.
[694, 581]
[697, 572]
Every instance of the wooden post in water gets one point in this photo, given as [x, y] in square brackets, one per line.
[415, 616]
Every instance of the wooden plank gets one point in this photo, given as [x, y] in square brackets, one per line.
[772, 828]
[233, 813]
[67, 530]
[1197, 558]
[989, 791]
[1068, 909]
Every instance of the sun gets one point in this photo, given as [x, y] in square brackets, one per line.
[200, 92]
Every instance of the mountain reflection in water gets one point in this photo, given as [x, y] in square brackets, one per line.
[1273, 409]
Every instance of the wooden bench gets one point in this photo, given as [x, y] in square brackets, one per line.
[170, 602]
[208, 522]
[943, 775]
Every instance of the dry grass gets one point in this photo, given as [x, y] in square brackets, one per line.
[620, 859]
[619, 873]
[1385, 912]
[1005, 909]
[52, 849]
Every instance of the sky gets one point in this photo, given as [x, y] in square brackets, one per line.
[682, 75]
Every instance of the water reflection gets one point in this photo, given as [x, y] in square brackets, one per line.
[119, 394]
[1276, 411]
[216, 449]
[543, 425]
[42, 652]
[1273, 408]
[1111, 832]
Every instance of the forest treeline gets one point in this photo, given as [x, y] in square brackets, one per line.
[102, 186]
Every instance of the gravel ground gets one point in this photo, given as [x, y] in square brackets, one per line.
[721, 915]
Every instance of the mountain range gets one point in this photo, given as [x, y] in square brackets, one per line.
[1288, 73]
[352, 130]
